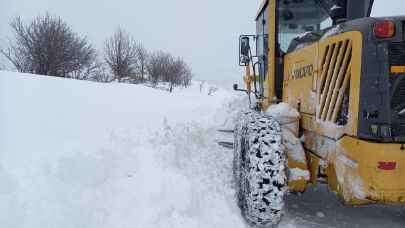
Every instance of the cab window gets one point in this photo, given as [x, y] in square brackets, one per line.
[297, 19]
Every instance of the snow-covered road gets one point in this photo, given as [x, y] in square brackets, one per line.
[81, 154]
[319, 208]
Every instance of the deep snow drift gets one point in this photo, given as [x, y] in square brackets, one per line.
[81, 154]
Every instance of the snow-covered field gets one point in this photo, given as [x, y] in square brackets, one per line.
[81, 154]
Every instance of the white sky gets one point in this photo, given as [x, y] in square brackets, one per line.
[205, 32]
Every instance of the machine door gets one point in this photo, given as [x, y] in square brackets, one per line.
[266, 50]
[262, 47]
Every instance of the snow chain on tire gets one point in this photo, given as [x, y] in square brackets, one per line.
[259, 169]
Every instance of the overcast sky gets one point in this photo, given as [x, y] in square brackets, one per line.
[204, 32]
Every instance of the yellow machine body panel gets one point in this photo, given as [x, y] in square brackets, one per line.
[369, 172]
[269, 83]
[315, 78]
[300, 72]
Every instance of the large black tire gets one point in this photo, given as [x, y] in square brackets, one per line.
[259, 169]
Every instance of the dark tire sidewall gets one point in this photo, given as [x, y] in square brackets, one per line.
[244, 132]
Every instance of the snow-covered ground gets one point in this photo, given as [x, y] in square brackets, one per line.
[82, 154]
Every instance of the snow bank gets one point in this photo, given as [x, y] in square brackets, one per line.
[83, 154]
[331, 32]
[282, 110]
[294, 146]
[298, 174]
[331, 129]
[348, 176]
[288, 117]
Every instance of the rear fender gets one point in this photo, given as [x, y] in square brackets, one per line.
[367, 172]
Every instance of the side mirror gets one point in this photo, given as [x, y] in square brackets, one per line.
[244, 46]
[244, 50]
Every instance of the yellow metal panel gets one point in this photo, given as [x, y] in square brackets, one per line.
[269, 84]
[323, 66]
[332, 179]
[314, 162]
[356, 63]
[334, 105]
[329, 103]
[341, 93]
[307, 121]
[297, 185]
[324, 91]
[362, 171]
[353, 75]
[326, 62]
[299, 72]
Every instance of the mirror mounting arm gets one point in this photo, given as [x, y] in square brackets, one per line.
[236, 88]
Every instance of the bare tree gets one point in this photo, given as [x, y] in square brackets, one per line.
[185, 74]
[181, 74]
[163, 67]
[88, 72]
[175, 71]
[155, 67]
[48, 46]
[169, 70]
[120, 53]
[141, 62]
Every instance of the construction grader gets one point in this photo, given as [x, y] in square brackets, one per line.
[344, 73]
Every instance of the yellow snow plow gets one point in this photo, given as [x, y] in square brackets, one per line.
[344, 73]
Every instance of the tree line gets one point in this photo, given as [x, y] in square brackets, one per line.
[48, 46]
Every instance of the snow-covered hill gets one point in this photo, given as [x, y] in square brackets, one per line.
[79, 154]
[82, 154]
